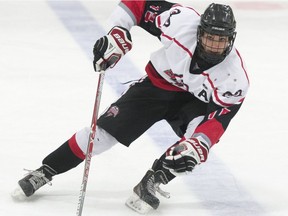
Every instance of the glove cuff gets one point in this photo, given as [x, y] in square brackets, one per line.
[201, 149]
[122, 39]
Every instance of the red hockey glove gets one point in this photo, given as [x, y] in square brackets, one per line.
[109, 49]
[184, 156]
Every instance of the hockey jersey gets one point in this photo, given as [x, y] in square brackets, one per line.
[223, 86]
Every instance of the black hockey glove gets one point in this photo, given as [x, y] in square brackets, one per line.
[109, 49]
[184, 156]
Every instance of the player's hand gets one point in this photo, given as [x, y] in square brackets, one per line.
[184, 156]
[109, 49]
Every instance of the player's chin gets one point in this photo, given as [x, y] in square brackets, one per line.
[216, 53]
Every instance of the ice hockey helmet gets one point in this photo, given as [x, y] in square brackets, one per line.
[217, 19]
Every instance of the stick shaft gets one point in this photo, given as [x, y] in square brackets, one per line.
[90, 144]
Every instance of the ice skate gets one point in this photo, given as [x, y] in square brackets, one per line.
[33, 181]
[144, 197]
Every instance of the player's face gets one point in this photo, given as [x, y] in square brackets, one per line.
[214, 43]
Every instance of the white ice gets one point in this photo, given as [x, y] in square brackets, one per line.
[47, 88]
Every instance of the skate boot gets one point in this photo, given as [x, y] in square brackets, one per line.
[144, 196]
[34, 180]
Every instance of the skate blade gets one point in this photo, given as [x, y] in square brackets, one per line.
[135, 203]
[18, 194]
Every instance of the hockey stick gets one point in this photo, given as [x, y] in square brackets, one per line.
[90, 143]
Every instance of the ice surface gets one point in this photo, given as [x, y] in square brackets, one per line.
[47, 87]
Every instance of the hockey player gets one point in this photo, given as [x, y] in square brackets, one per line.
[196, 82]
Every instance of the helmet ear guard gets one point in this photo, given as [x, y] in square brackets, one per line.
[219, 20]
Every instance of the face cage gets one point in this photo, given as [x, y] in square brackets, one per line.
[214, 58]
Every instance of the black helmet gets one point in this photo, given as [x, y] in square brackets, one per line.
[217, 19]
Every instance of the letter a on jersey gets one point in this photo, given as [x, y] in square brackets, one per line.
[203, 94]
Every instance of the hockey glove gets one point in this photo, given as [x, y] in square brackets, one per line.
[184, 156]
[109, 49]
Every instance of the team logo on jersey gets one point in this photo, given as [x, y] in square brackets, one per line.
[176, 79]
[230, 94]
[112, 111]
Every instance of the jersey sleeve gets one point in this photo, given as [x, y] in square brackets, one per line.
[213, 125]
[140, 13]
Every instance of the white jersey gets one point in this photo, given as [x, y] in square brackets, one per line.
[223, 87]
[226, 83]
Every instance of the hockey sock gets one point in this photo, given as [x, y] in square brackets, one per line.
[62, 159]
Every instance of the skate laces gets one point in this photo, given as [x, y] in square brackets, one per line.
[37, 178]
[150, 185]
